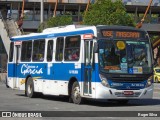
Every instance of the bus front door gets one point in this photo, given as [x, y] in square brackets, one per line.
[16, 80]
[88, 46]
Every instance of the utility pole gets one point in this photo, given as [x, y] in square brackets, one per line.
[87, 7]
[22, 13]
[42, 9]
[139, 25]
[55, 9]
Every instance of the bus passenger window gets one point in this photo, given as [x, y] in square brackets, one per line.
[59, 49]
[72, 48]
[11, 52]
[49, 50]
[38, 50]
[26, 51]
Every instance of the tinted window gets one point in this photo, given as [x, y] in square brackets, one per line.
[50, 50]
[26, 51]
[11, 52]
[72, 48]
[38, 50]
[59, 49]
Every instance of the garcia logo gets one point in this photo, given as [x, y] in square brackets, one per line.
[27, 69]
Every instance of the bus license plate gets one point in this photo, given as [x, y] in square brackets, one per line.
[128, 93]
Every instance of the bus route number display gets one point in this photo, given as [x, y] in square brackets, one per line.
[120, 34]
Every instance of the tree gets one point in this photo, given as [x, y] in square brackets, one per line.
[106, 12]
[55, 21]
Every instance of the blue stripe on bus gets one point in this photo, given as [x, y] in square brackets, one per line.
[51, 35]
[63, 72]
[41, 70]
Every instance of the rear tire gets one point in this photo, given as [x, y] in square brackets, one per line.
[29, 91]
[75, 94]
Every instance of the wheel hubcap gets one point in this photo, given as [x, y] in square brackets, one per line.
[76, 93]
[29, 89]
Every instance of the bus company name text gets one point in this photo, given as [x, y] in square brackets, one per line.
[27, 69]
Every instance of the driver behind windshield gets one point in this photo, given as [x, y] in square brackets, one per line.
[112, 59]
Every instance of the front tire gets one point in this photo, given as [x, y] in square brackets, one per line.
[75, 93]
[30, 88]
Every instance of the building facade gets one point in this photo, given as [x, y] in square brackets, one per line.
[74, 8]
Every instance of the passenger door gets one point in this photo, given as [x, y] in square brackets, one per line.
[17, 66]
[88, 56]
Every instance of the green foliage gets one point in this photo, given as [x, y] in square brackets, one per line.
[55, 21]
[106, 12]
[154, 38]
[42, 26]
[59, 21]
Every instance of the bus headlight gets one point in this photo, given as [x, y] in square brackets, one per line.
[149, 81]
[104, 80]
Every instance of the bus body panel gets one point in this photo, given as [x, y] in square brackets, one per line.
[42, 76]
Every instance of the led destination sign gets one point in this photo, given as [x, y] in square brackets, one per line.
[121, 34]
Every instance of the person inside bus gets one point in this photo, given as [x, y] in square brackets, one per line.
[69, 55]
[41, 57]
[73, 55]
[35, 57]
[113, 59]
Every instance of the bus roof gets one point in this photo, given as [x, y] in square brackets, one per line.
[69, 30]
[56, 32]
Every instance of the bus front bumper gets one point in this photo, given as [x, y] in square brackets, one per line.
[103, 92]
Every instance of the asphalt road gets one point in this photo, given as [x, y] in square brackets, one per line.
[14, 100]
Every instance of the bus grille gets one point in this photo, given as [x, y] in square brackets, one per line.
[128, 80]
[120, 94]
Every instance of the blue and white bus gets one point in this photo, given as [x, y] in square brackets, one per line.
[98, 62]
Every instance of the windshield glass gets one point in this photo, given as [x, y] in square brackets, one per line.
[119, 56]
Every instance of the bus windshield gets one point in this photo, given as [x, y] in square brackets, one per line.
[124, 56]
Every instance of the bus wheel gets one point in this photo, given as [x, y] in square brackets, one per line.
[30, 88]
[75, 93]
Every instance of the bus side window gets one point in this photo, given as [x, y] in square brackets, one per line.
[50, 50]
[72, 48]
[38, 50]
[26, 51]
[11, 52]
[59, 49]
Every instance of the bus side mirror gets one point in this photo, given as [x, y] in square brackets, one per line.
[95, 50]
